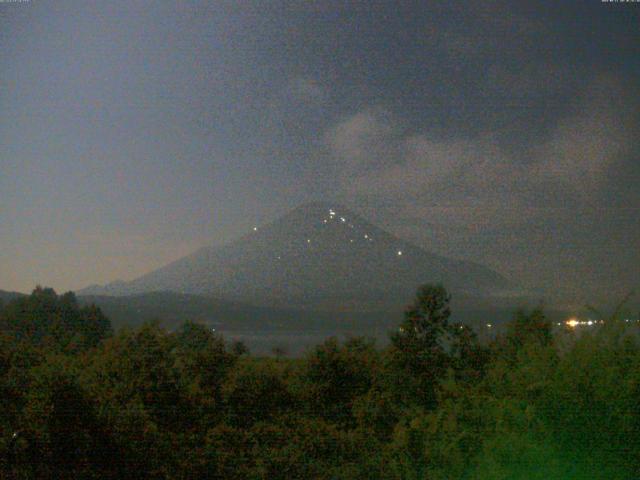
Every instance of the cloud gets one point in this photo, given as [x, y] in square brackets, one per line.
[587, 144]
[366, 139]
[375, 156]
[542, 209]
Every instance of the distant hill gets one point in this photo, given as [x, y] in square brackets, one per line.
[172, 309]
[8, 296]
[319, 257]
[262, 328]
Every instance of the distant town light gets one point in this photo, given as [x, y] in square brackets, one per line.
[342, 219]
[308, 240]
[399, 253]
[575, 322]
[255, 229]
[489, 325]
[572, 322]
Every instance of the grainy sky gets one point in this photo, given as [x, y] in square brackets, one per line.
[132, 133]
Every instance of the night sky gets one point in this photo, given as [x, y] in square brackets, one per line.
[132, 133]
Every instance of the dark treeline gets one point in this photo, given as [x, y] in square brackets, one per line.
[80, 401]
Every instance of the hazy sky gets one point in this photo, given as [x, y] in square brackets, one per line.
[132, 133]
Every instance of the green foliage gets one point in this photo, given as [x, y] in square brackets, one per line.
[46, 319]
[257, 390]
[202, 363]
[238, 347]
[529, 328]
[77, 402]
[426, 346]
[336, 375]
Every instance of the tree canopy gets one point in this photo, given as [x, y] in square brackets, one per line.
[78, 401]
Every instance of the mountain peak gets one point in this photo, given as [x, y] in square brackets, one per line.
[321, 207]
[319, 255]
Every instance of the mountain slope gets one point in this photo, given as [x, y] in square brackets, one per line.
[8, 296]
[317, 256]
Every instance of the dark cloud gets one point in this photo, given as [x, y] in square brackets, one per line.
[375, 156]
[477, 186]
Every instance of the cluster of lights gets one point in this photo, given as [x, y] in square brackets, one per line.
[332, 215]
[574, 322]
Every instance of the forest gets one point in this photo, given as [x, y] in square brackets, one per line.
[80, 400]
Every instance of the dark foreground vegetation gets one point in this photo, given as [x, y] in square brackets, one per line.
[78, 401]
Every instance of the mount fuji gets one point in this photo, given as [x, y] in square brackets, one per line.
[319, 256]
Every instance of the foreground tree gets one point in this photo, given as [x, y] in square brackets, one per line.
[58, 322]
[420, 347]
